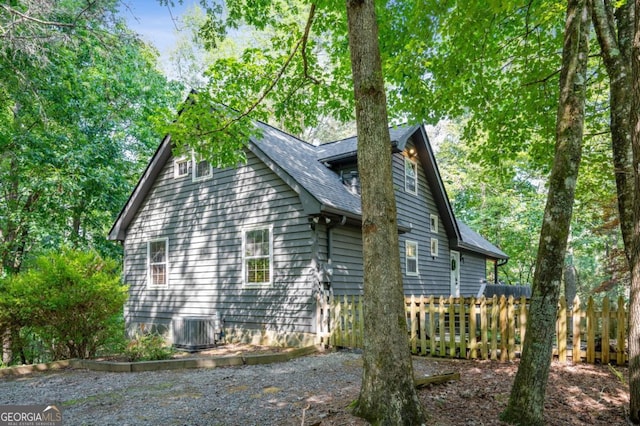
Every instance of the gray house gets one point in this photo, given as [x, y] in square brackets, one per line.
[260, 247]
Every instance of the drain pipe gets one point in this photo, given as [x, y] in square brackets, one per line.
[496, 265]
[330, 225]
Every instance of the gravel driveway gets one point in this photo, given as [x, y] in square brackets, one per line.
[273, 394]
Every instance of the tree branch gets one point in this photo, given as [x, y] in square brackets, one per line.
[302, 42]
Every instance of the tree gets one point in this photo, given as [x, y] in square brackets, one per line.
[634, 300]
[78, 93]
[282, 82]
[387, 395]
[526, 401]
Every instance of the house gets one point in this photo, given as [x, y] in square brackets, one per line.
[261, 246]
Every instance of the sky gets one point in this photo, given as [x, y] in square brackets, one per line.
[155, 23]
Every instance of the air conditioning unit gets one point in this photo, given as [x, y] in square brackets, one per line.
[196, 333]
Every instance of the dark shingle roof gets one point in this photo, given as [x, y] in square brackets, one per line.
[305, 164]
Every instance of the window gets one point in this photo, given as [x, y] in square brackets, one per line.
[411, 257]
[180, 167]
[410, 176]
[257, 253]
[158, 262]
[434, 223]
[434, 247]
[201, 169]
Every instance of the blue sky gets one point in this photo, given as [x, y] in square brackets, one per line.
[153, 21]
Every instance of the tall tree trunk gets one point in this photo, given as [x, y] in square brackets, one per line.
[387, 395]
[526, 401]
[634, 300]
[614, 29]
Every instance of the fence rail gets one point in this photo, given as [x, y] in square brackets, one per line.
[493, 328]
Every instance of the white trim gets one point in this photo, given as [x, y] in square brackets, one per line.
[166, 263]
[244, 258]
[414, 167]
[434, 247]
[407, 243]
[194, 167]
[434, 222]
[176, 167]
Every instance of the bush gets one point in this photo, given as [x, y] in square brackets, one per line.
[67, 304]
[148, 347]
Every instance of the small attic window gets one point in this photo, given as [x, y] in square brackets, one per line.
[410, 176]
[434, 223]
[201, 169]
[180, 167]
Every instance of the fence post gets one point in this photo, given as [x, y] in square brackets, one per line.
[504, 331]
[561, 325]
[414, 324]
[494, 328]
[473, 341]
[604, 339]
[591, 331]
[441, 328]
[423, 325]
[432, 326]
[452, 327]
[576, 356]
[484, 328]
[523, 320]
[512, 328]
[622, 332]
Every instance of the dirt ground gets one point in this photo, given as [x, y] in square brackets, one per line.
[576, 395]
[580, 394]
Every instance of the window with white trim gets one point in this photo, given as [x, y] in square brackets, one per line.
[158, 262]
[257, 255]
[411, 257]
[434, 223]
[434, 247]
[180, 167]
[410, 176]
[201, 169]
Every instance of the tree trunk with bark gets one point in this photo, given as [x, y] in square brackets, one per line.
[526, 401]
[634, 299]
[387, 395]
[614, 29]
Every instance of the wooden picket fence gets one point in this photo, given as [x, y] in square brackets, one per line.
[493, 328]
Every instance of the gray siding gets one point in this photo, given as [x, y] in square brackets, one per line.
[473, 272]
[434, 276]
[346, 257]
[203, 222]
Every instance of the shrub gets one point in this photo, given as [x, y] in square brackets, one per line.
[67, 304]
[148, 347]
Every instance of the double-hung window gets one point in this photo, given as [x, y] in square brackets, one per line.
[411, 257]
[158, 262]
[257, 255]
[410, 176]
[201, 169]
[180, 167]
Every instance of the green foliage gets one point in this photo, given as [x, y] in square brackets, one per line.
[66, 304]
[148, 347]
[82, 105]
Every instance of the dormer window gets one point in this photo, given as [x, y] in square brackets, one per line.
[410, 176]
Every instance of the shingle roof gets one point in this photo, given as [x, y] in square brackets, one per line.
[305, 164]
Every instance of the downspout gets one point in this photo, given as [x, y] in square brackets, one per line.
[496, 265]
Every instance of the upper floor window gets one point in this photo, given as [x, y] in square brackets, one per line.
[180, 167]
[434, 247]
[201, 169]
[410, 176]
[411, 257]
[434, 223]
[158, 262]
[257, 255]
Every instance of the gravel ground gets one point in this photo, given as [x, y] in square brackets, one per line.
[273, 394]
